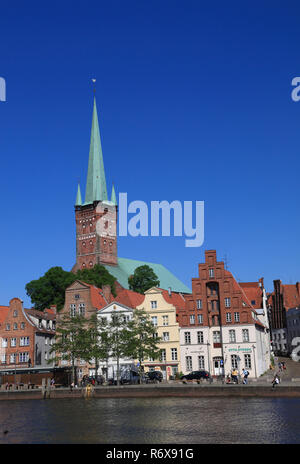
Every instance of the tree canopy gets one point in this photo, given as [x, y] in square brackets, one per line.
[50, 288]
[142, 279]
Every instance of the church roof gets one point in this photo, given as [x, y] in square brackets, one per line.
[96, 182]
[126, 268]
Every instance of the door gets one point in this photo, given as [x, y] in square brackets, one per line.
[218, 366]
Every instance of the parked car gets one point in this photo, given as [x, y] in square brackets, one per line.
[196, 375]
[154, 376]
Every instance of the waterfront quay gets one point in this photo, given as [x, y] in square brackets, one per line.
[289, 389]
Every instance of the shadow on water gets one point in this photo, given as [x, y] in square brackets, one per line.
[150, 421]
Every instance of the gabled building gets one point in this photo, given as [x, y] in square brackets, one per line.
[220, 328]
[26, 337]
[161, 306]
[282, 299]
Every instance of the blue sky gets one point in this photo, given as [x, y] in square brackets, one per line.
[194, 103]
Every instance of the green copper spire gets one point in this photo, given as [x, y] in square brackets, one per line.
[113, 196]
[95, 183]
[78, 197]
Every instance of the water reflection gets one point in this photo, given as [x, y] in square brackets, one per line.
[161, 420]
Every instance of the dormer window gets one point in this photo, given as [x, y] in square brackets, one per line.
[15, 313]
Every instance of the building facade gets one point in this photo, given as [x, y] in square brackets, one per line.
[26, 338]
[283, 298]
[160, 306]
[220, 328]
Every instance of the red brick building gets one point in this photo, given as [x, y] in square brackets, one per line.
[220, 322]
[283, 298]
[26, 337]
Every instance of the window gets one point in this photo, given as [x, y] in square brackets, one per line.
[48, 325]
[24, 341]
[192, 319]
[237, 317]
[15, 313]
[216, 337]
[77, 297]
[53, 325]
[227, 303]
[4, 343]
[13, 358]
[13, 342]
[228, 317]
[200, 337]
[155, 335]
[199, 304]
[166, 336]
[163, 355]
[200, 318]
[187, 338]
[253, 302]
[3, 358]
[81, 310]
[40, 324]
[7, 327]
[188, 363]
[174, 354]
[24, 357]
[245, 335]
[15, 326]
[234, 361]
[153, 304]
[201, 363]
[154, 320]
[165, 320]
[72, 310]
[22, 325]
[211, 273]
[247, 359]
[232, 338]
[46, 355]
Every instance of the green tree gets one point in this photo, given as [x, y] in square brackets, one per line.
[119, 337]
[50, 288]
[142, 279]
[143, 341]
[71, 340]
[97, 347]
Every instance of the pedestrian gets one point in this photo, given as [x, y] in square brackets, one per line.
[275, 381]
[245, 374]
[234, 376]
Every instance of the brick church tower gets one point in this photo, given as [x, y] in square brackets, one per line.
[96, 217]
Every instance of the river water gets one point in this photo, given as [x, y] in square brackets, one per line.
[150, 421]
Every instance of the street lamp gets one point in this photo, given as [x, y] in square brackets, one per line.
[253, 346]
[15, 356]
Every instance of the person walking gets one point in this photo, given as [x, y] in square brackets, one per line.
[245, 374]
[275, 381]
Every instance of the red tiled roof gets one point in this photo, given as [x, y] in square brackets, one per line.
[129, 298]
[291, 297]
[97, 298]
[253, 292]
[176, 299]
[3, 313]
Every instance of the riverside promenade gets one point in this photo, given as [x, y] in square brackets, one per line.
[289, 387]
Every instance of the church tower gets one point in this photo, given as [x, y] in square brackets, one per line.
[96, 217]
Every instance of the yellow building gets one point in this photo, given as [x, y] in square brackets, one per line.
[160, 306]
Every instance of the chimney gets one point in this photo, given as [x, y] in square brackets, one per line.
[53, 308]
[298, 287]
[261, 282]
[106, 289]
[170, 292]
